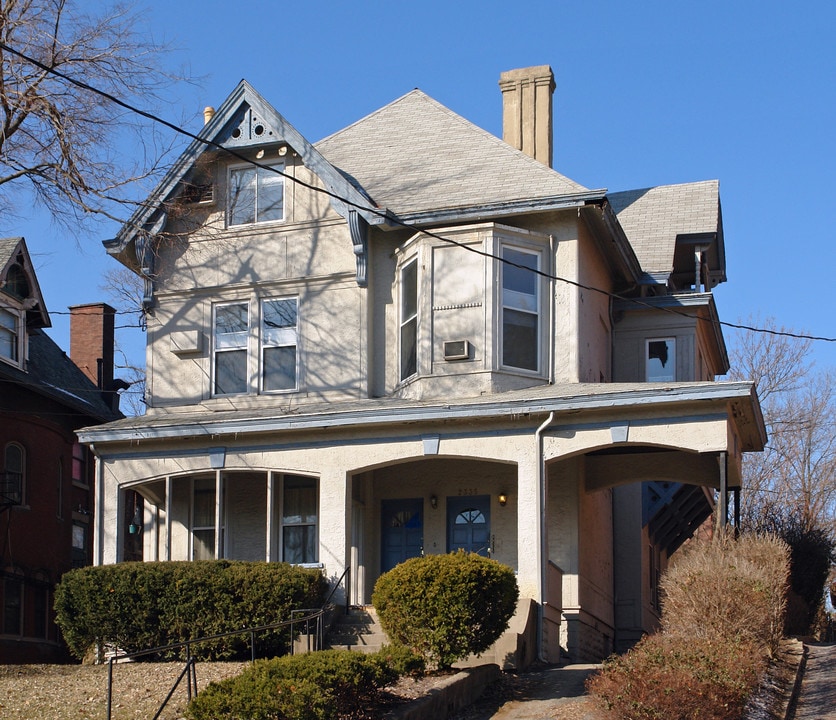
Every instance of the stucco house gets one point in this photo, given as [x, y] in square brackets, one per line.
[46, 475]
[413, 337]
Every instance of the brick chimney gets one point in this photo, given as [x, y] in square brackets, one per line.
[527, 111]
[91, 342]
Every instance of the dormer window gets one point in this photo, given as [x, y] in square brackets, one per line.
[256, 194]
[660, 360]
[10, 335]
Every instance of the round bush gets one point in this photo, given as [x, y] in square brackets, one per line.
[446, 607]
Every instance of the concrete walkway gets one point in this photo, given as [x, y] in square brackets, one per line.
[817, 698]
[537, 694]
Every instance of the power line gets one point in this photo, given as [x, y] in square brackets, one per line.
[387, 216]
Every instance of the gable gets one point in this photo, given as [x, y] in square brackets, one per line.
[19, 283]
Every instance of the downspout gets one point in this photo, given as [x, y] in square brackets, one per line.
[552, 308]
[544, 550]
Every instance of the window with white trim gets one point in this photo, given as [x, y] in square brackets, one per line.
[521, 311]
[409, 320]
[231, 343]
[660, 360]
[279, 340]
[10, 335]
[255, 347]
[256, 195]
[203, 519]
[299, 535]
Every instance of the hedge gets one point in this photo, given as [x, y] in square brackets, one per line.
[141, 605]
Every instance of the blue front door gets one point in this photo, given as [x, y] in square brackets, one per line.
[402, 531]
[469, 524]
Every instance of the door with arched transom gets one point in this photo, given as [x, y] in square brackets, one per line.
[469, 524]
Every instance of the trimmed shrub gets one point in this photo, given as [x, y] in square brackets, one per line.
[315, 686]
[142, 605]
[664, 678]
[446, 607]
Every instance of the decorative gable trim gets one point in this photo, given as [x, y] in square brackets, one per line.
[246, 120]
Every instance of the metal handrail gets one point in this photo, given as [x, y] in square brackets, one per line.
[190, 667]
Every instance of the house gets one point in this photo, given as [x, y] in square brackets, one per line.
[46, 480]
[413, 337]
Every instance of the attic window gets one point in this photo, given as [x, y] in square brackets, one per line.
[16, 283]
[256, 194]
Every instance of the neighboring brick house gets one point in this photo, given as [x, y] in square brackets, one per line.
[413, 337]
[46, 477]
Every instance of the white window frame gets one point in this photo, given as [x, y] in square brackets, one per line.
[260, 175]
[283, 524]
[285, 336]
[410, 321]
[220, 347]
[519, 302]
[671, 375]
[218, 525]
[11, 336]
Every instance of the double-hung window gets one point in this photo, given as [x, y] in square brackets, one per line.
[10, 335]
[520, 309]
[299, 513]
[279, 340]
[256, 195]
[409, 320]
[231, 348]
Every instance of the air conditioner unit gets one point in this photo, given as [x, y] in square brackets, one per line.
[457, 350]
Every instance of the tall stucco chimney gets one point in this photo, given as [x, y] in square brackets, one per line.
[91, 342]
[527, 110]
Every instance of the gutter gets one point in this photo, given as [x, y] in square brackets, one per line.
[239, 422]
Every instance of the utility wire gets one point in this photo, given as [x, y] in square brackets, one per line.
[384, 215]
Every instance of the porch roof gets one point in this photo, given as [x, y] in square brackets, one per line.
[737, 399]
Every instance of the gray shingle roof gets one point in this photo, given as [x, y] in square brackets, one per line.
[49, 372]
[653, 217]
[414, 155]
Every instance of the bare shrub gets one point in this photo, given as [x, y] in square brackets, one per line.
[728, 588]
[665, 678]
[722, 616]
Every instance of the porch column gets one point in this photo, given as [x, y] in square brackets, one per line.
[108, 530]
[529, 524]
[334, 524]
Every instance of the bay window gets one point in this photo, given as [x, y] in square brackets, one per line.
[520, 322]
[409, 320]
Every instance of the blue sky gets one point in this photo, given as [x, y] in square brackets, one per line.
[647, 94]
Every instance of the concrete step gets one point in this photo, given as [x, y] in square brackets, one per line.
[359, 630]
